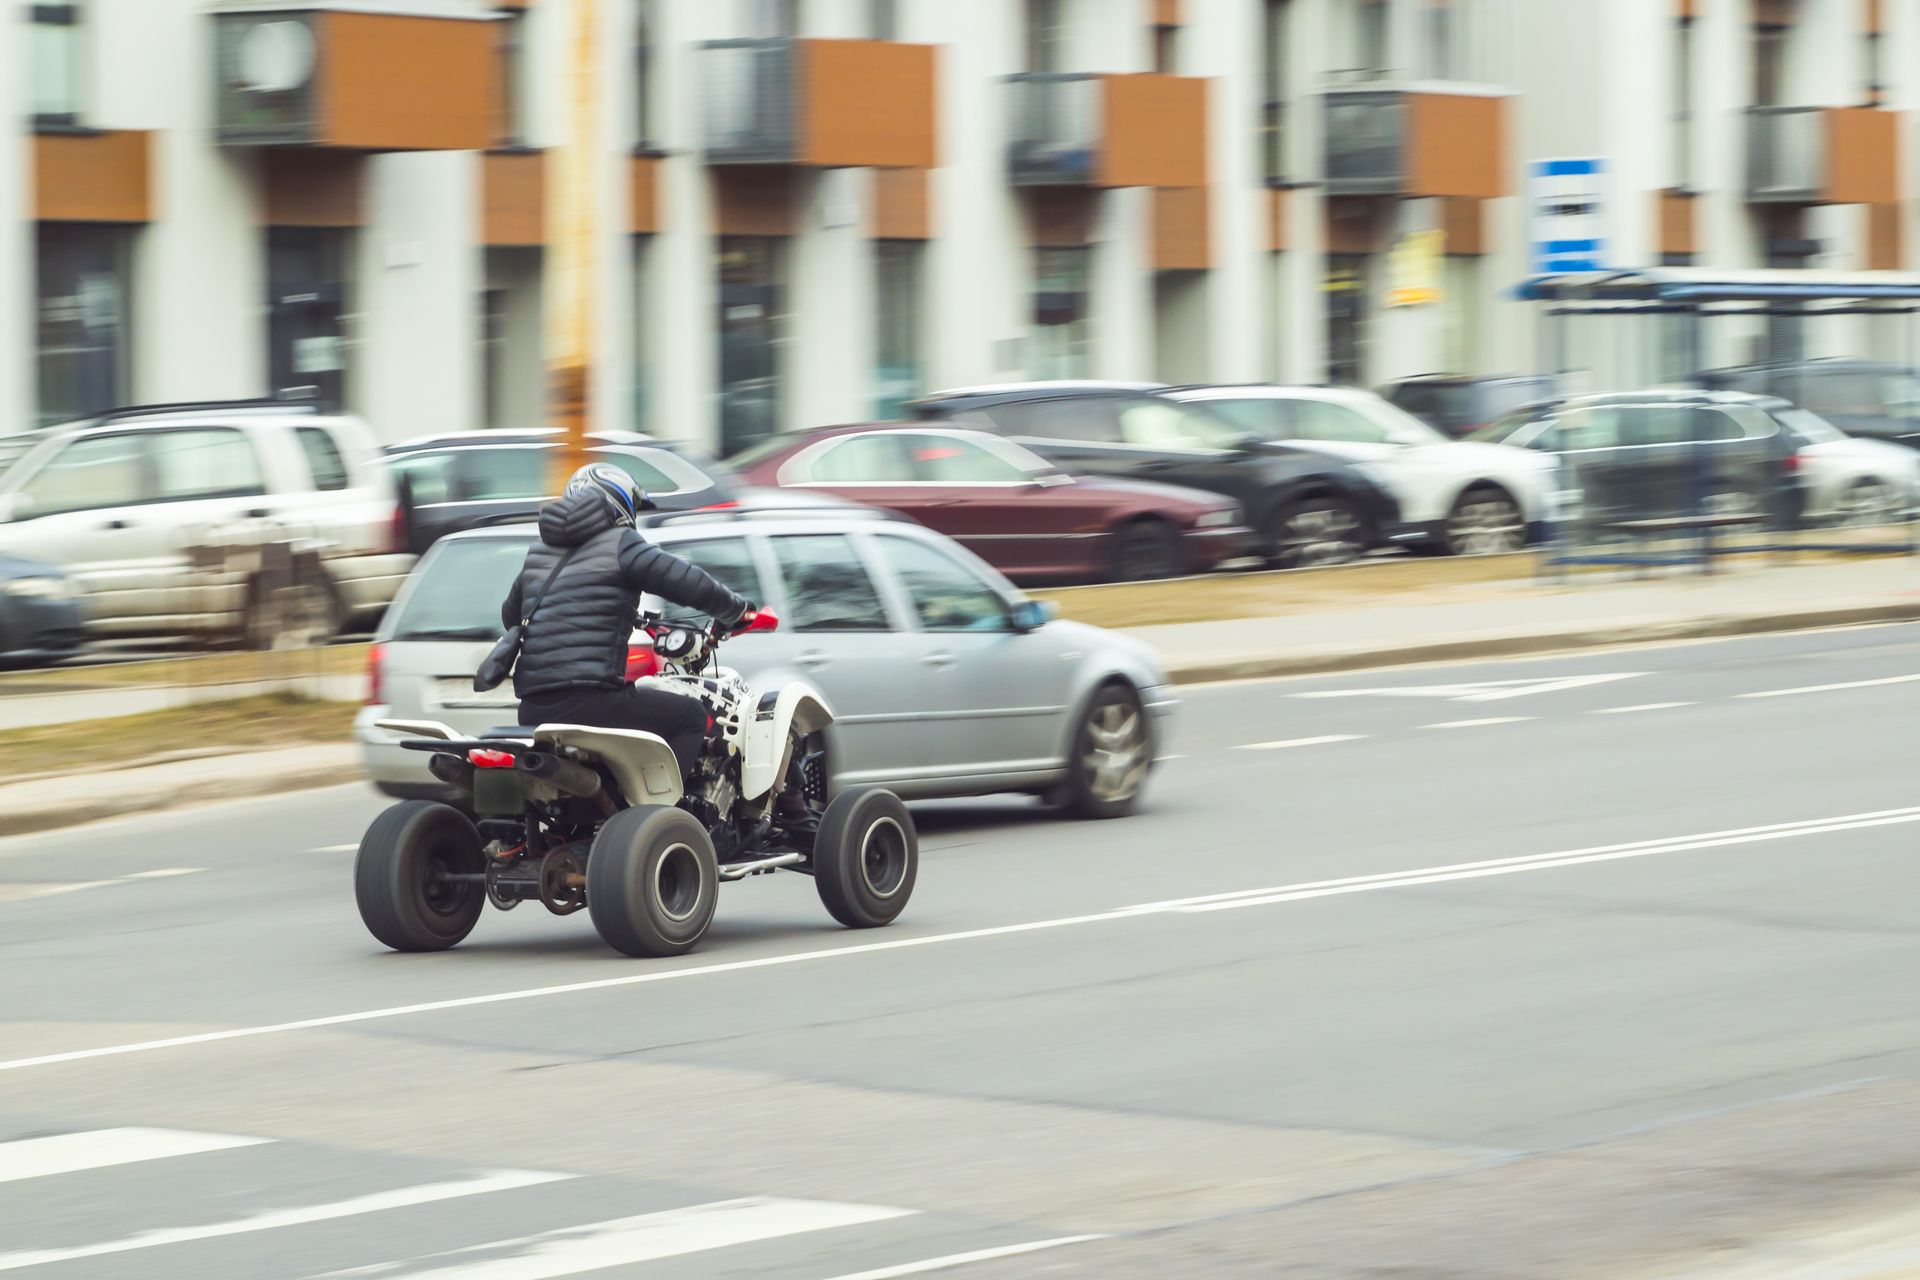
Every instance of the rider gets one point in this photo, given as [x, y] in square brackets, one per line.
[572, 666]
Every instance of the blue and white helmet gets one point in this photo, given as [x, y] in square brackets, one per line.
[616, 488]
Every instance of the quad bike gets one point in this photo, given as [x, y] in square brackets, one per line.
[575, 816]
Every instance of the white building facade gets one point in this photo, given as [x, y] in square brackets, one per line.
[808, 211]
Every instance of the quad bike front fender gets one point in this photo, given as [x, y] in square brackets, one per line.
[777, 716]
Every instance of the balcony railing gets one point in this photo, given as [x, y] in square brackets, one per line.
[1055, 122]
[1366, 133]
[754, 100]
[1786, 154]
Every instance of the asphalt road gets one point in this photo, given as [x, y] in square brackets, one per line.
[1602, 965]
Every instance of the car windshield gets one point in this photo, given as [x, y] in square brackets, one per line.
[457, 590]
[1499, 430]
[1401, 427]
[1810, 426]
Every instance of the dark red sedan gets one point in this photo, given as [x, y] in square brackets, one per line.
[1007, 505]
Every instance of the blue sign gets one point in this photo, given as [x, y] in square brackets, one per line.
[1566, 216]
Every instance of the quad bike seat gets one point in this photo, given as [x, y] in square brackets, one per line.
[523, 732]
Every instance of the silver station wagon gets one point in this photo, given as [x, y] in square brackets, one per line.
[943, 678]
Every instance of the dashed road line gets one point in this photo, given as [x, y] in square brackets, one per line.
[1645, 706]
[1828, 688]
[961, 1259]
[105, 1148]
[1475, 724]
[1322, 740]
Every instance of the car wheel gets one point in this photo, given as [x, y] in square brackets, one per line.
[1485, 521]
[652, 881]
[1112, 756]
[1146, 550]
[1867, 502]
[1317, 531]
[866, 858]
[400, 877]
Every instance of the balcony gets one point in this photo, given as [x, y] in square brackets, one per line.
[1416, 142]
[819, 103]
[364, 81]
[1089, 130]
[1822, 155]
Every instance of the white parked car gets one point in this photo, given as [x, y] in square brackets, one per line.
[173, 519]
[1465, 497]
[1848, 480]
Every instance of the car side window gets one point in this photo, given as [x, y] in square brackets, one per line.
[1590, 429]
[495, 475]
[875, 458]
[205, 462]
[425, 475]
[827, 584]
[1335, 423]
[728, 559]
[324, 463]
[1084, 420]
[1718, 424]
[951, 460]
[947, 595]
[1665, 425]
[1264, 416]
[99, 471]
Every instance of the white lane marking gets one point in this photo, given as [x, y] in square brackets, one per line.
[1534, 862]
[961, 1259]
[1828, 688]
[1645, 706]
[1475, 724]
[336, 848]
[1300, 742]
[274, 1219]
[1164, 759]
[22, 892]
[646, 1238]
[104, 1148]
[1812, 826]
[1477, 690]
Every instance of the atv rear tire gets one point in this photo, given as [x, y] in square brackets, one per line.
[866, 857]
[652, 881]
[396, 874]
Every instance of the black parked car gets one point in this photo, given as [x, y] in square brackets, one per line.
[1305, 508]
[450, 483]
[1459, 404]
[1867, 398]
[39, 612]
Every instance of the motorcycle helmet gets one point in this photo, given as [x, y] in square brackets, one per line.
[616, 488]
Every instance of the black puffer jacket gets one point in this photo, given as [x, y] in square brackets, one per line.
[580, 630]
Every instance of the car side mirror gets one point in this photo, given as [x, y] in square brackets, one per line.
[1052, 479]
[1031, 615]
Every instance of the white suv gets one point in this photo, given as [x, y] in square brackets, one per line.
[160, 515]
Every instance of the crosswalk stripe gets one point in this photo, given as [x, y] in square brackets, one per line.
[103, 1148]
[960, 1259]
[627, 1241]
[274, 1219]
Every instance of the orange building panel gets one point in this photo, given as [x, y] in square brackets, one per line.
[92, 177]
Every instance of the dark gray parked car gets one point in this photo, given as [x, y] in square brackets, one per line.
[40, 616]
[1866, 398]
[1459, 404]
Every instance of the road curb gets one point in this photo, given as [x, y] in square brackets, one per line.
[21, 822]
[1534, 643]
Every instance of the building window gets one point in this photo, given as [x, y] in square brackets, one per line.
[1683, 104]
[647, 35]
[642, 331]
[1273, 81]
[897, 346]
[55, 47]
[752, 333]
[511, 43]
[1346, 293]
[1062, 319]
[1440, 39]
[1045, 34]
[1876, 87]
[1769, 64]
[306, 314]
[81, 347]
[883, 19]
[766, 19]
[1370, 44]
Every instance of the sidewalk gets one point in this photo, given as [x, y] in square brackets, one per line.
[1503, 619]
[19, 711]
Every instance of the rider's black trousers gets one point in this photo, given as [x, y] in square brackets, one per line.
[682, 721]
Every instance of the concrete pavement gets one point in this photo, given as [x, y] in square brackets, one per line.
[1587, 966]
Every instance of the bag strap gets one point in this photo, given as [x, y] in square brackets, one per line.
[526, 615]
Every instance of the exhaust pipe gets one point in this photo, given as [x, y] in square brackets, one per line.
[574, 779]
[451, 769]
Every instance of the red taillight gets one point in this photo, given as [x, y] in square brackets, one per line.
[399, 543]
[482, 758]
[376, 675]
[1790, 463]
[720, 506]
[642, 661]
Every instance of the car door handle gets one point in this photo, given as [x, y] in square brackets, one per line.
[812, 658]
[259, 513]
[118, 524]
[940, 658]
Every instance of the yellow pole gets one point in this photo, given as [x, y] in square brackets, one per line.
[572, 206]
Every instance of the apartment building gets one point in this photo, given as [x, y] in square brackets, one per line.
[810, 210]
